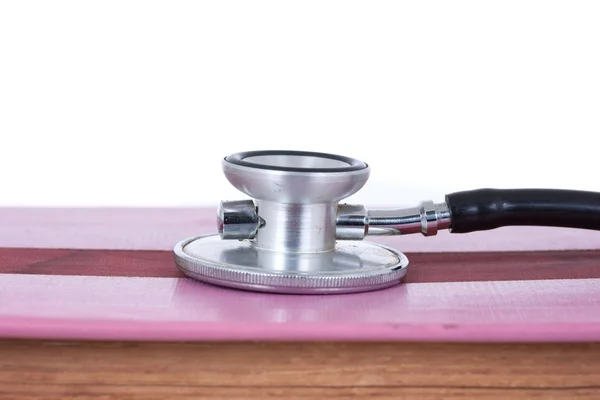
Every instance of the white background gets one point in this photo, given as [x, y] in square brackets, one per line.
[134, 103]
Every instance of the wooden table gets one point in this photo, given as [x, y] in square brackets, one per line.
[92, 306]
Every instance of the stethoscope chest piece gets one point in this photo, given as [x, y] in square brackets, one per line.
[292, 236]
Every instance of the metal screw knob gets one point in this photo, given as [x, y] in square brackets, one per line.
[238, 219]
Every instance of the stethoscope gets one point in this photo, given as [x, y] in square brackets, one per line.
[293, 235]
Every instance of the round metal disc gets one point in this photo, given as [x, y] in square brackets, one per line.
[354, 266]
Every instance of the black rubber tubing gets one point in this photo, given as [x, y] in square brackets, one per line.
[485, 209]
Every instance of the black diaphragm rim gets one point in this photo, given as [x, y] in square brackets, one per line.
[239, 159]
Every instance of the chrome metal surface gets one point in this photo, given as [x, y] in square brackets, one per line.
[237, 219]
[351, 267]
[295, 187]
[296, 194]
[444, 216]
[296, 228]
[427, 219]
[404, 221]
[296, 161]
[382, 231]
[352, 222]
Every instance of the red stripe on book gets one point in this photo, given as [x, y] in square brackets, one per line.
[424, 267]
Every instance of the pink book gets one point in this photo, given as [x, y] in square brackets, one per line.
[109, 274]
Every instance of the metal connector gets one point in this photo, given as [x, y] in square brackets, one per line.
[354, 222]
[238, 219]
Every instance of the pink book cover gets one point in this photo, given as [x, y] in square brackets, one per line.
[109, 274]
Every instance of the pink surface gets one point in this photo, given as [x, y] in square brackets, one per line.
[160, 229]
[74, 307]
[144, 308]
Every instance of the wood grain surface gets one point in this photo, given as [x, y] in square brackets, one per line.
[425, 267]
[129, 370]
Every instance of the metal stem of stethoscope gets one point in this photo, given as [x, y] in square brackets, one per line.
[293, 235]
[240, 220]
